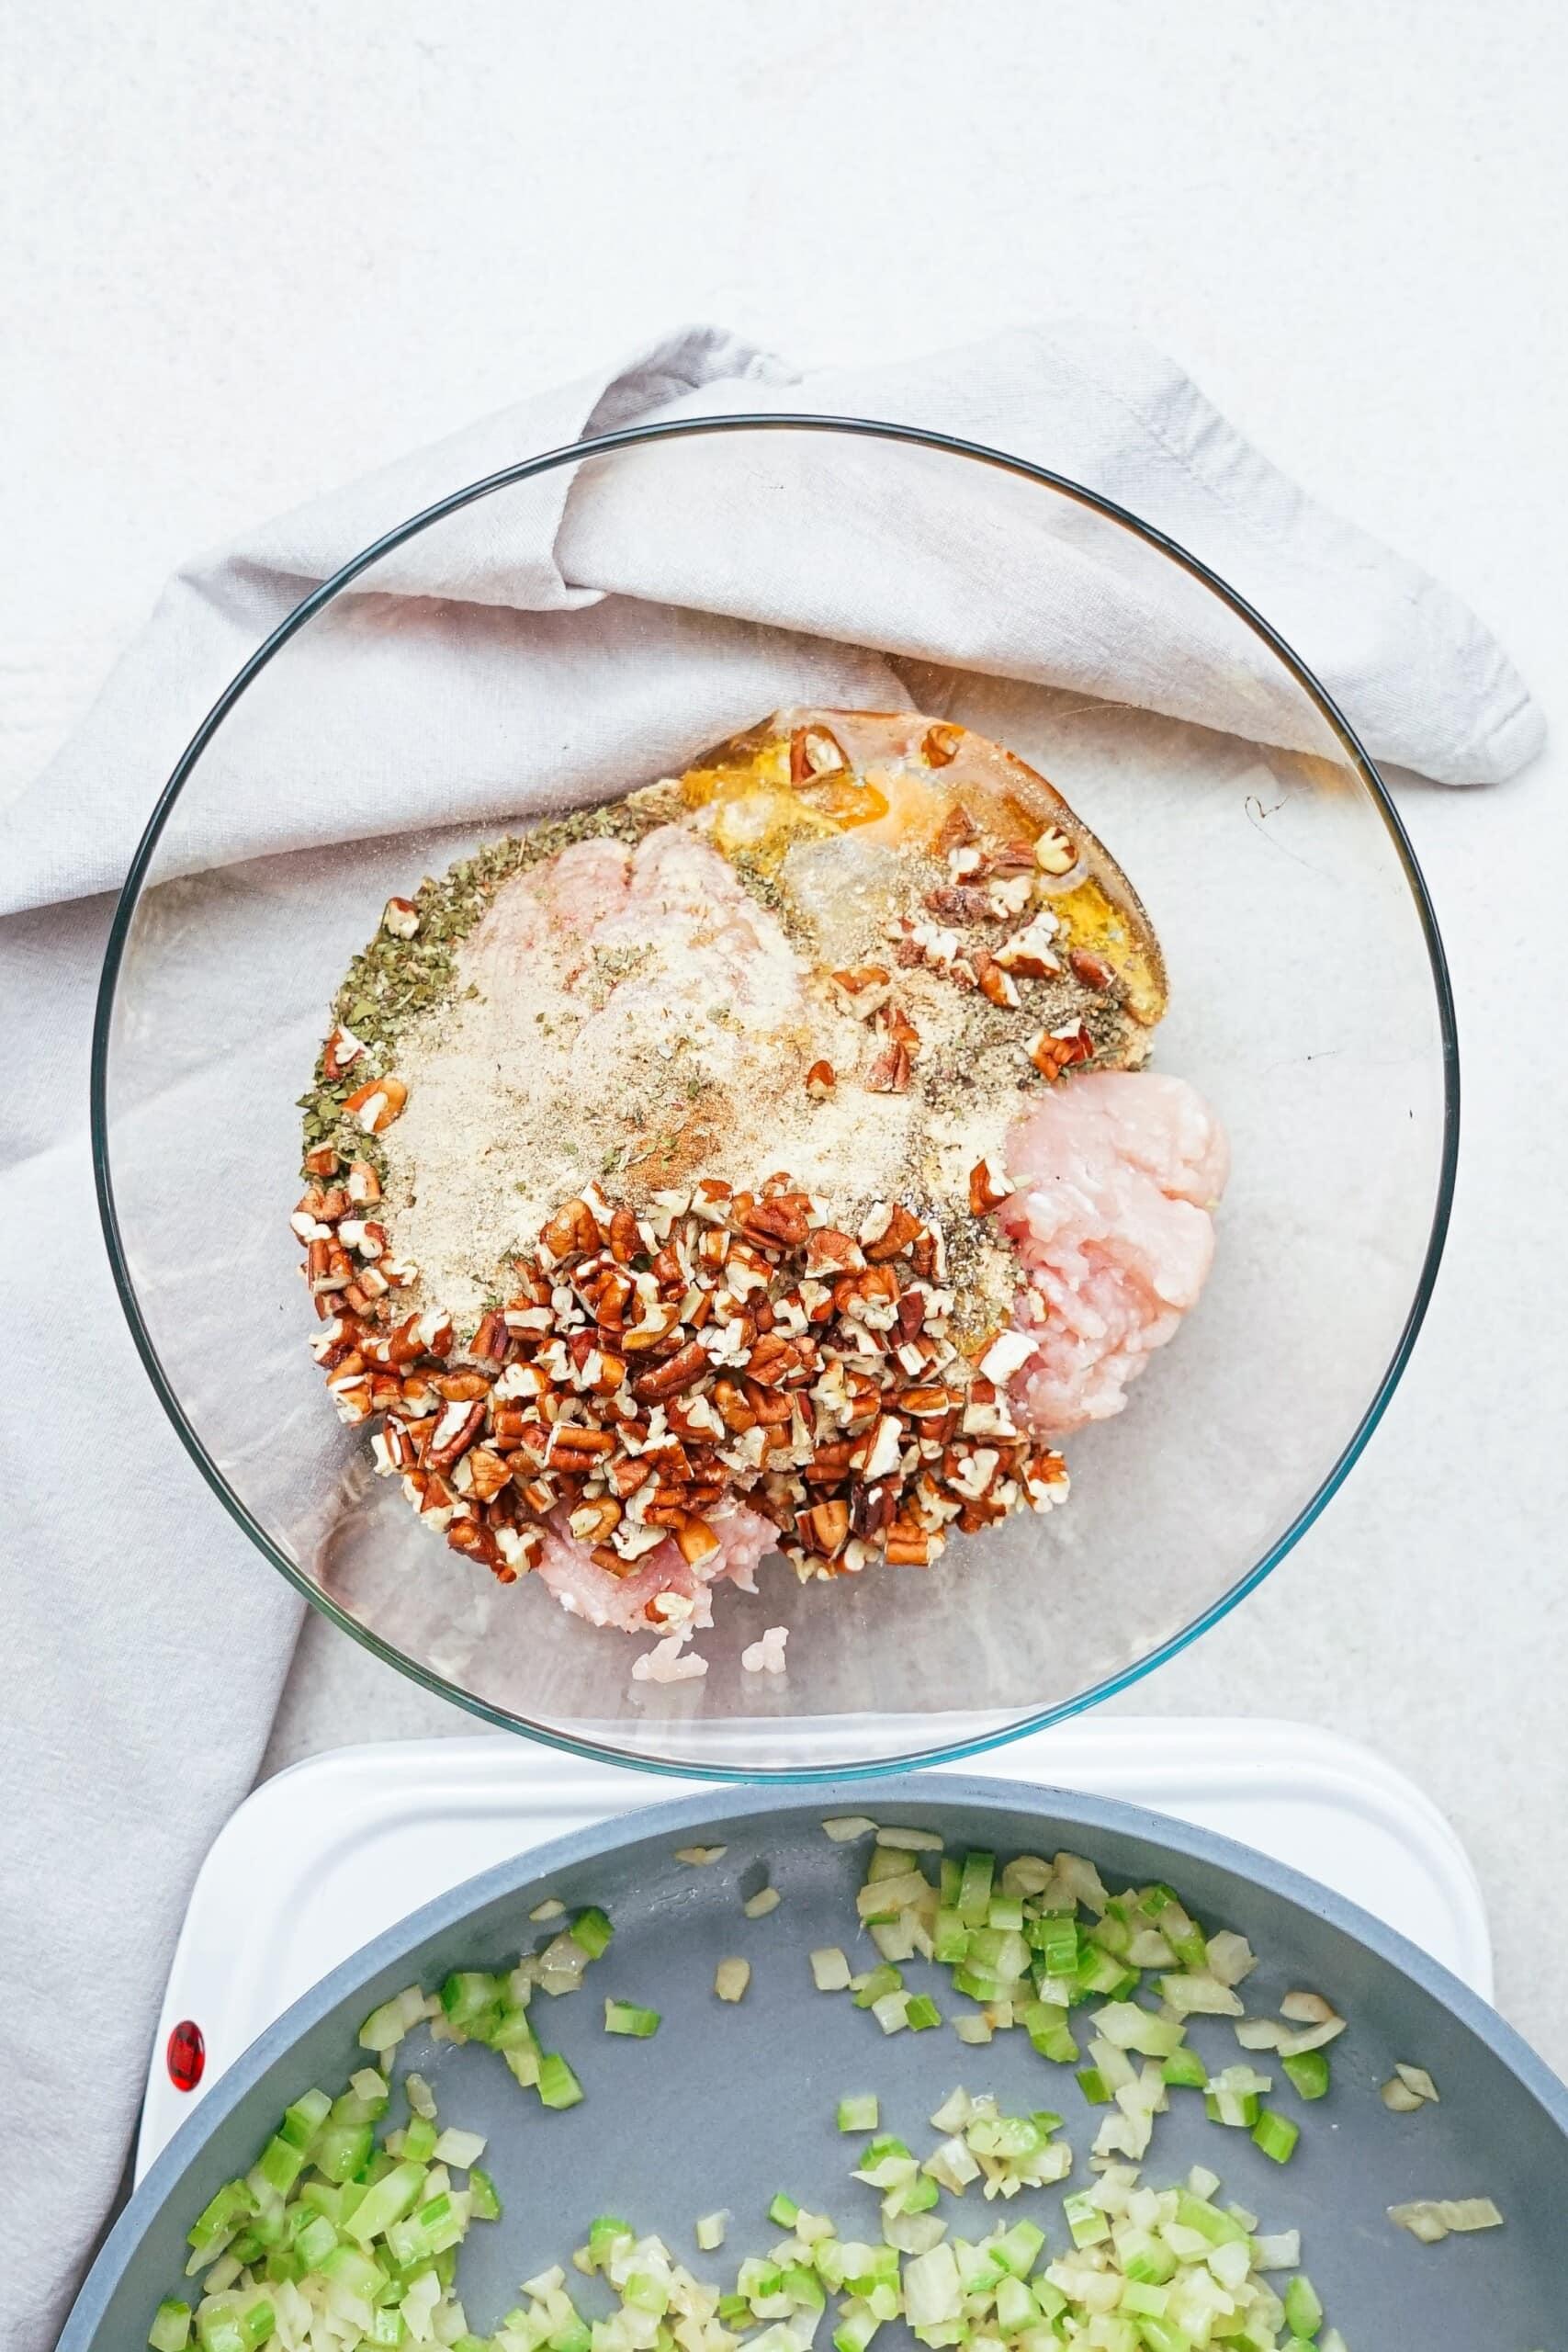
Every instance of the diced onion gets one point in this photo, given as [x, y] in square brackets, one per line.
[766, 1899]
[844, 1827]
[730, 1979]
[699, 1857]
[1430, 2218]
[1307, 2009]
[829, 1969]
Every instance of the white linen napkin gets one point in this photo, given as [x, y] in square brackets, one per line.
[146, 1642]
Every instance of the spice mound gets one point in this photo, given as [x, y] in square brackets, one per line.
[761, 1162]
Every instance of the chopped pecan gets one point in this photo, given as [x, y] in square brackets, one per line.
[1092, 970]
[339, 1054]
[1053, 1052]
[996, 983]
[819, 1080]
[572, 1232]
[890, 1072]
[455, 1430]
[941, 747]
[490, 1339]
[958, 903]
[825, 1527]
[400, 917]
[696, 1539]
[592, 1522]
[377, 1104]
[487, 1474]
[988, 1187]
[956, 828]
[893, 1237]
[813, 752]
[681, 1371]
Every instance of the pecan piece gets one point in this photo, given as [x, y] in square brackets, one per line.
[814, 752]
[678, 1371]
[988, 1187]
[457, 1429]
[322, 1161]
[886, 1238]
[957, 828]
[487, 1474]
[995, 983]
[941, 747]
[825, 1527]
[490, 1339]
[696, 1540]
[400, 917]
[593, 1522]
[377, 1104]
[820, 1081]
[1092, 970]
[958, 903]
[340, 1053]
[572, 1232]
[1052, 1053]
[889, 1072]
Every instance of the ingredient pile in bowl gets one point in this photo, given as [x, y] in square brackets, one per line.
[764, 1160]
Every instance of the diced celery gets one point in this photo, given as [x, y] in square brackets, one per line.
[882, 1980]
[1308, 2073]
[627, 2016]
[592, 1930]
[922, 2013]
[784, 2210]
[280, 2166]
[385, 2202]
[860, 2113]
[472, 2000]
[975, 1888]
[1055, 1938]
[343, 2149]
[1018, 2249]
[419, 2140]
[1088, 2222]
[559, 2086]
[1184, 2070]
[170, 2331]
[603, 2235]
[1276, 2135]
[484, 2201]
[950, 1938]
[1303, 2312]
[302, 2120]
[315, 2241]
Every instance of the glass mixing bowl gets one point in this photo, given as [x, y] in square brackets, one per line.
[1309, 1003]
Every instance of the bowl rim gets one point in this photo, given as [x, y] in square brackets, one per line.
[575, 453]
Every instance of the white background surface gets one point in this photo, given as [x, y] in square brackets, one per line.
[250, 252]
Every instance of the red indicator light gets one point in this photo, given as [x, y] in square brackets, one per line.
[187, 2055]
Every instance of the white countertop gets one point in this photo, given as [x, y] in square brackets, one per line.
[306, 239]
